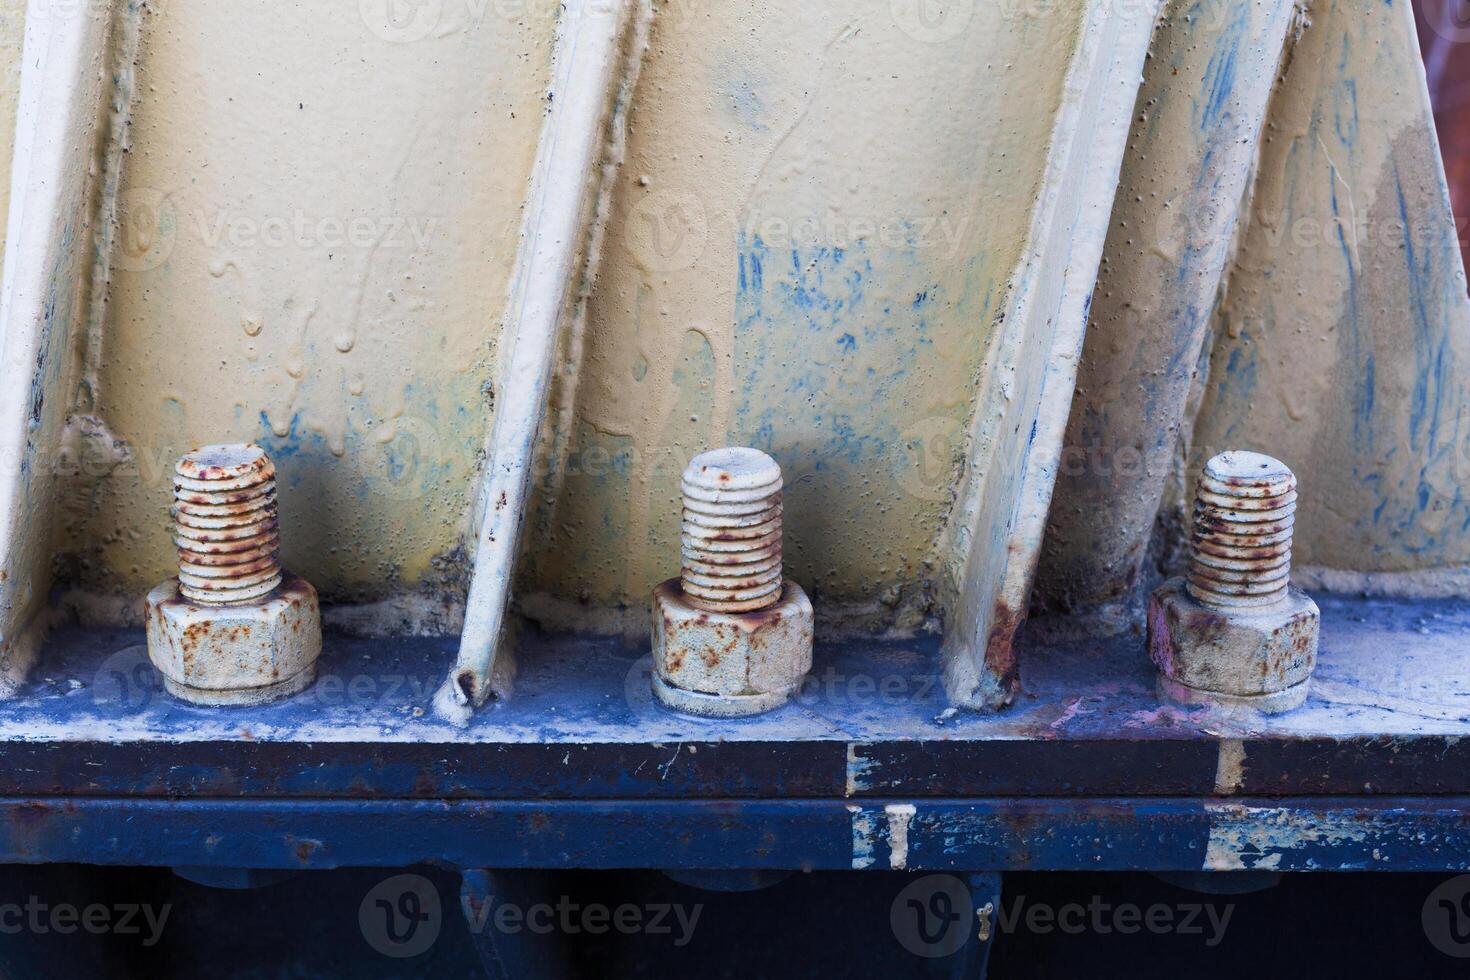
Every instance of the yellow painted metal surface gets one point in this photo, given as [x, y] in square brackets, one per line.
[809, 247]
[1345, 334]
[820, 219]
[318, 217]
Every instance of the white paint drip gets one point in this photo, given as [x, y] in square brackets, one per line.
[900, 815]
[1230, 767]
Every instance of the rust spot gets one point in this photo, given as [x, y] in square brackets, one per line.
[31, 813]
[304, 850]
[360, 788]
[466, 681]
[1000, 652]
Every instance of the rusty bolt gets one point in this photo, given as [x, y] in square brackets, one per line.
[731, 539]
[233, 627]
[731, 636]
[1234, 631]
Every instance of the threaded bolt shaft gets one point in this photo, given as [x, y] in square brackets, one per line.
[732, 531]
[1243, 517]
[225, 524]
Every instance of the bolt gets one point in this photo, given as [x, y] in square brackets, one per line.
[225, 524]
[234, 627]
[1233, 632]
[1241, 546]
[732, 531]
[731, 636]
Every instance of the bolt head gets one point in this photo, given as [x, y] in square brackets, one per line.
[1247, 652]
[761, 655]
[245, 653]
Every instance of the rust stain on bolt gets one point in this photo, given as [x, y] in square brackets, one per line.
[1234, 631]
[731, 636]
[234, 627]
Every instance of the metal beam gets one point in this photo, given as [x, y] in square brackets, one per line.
[556, 234]
[995, 531]
[1161, 834]
[1191, 156]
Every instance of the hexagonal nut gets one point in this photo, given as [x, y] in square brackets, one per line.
[245, 653]
[1250, 652]
[762, 654]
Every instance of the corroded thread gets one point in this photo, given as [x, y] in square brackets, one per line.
[225, 524]
[1243, 516]
[732, 531]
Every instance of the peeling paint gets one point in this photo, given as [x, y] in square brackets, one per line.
[858, 769]
[864, 834]
[1257, 838]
